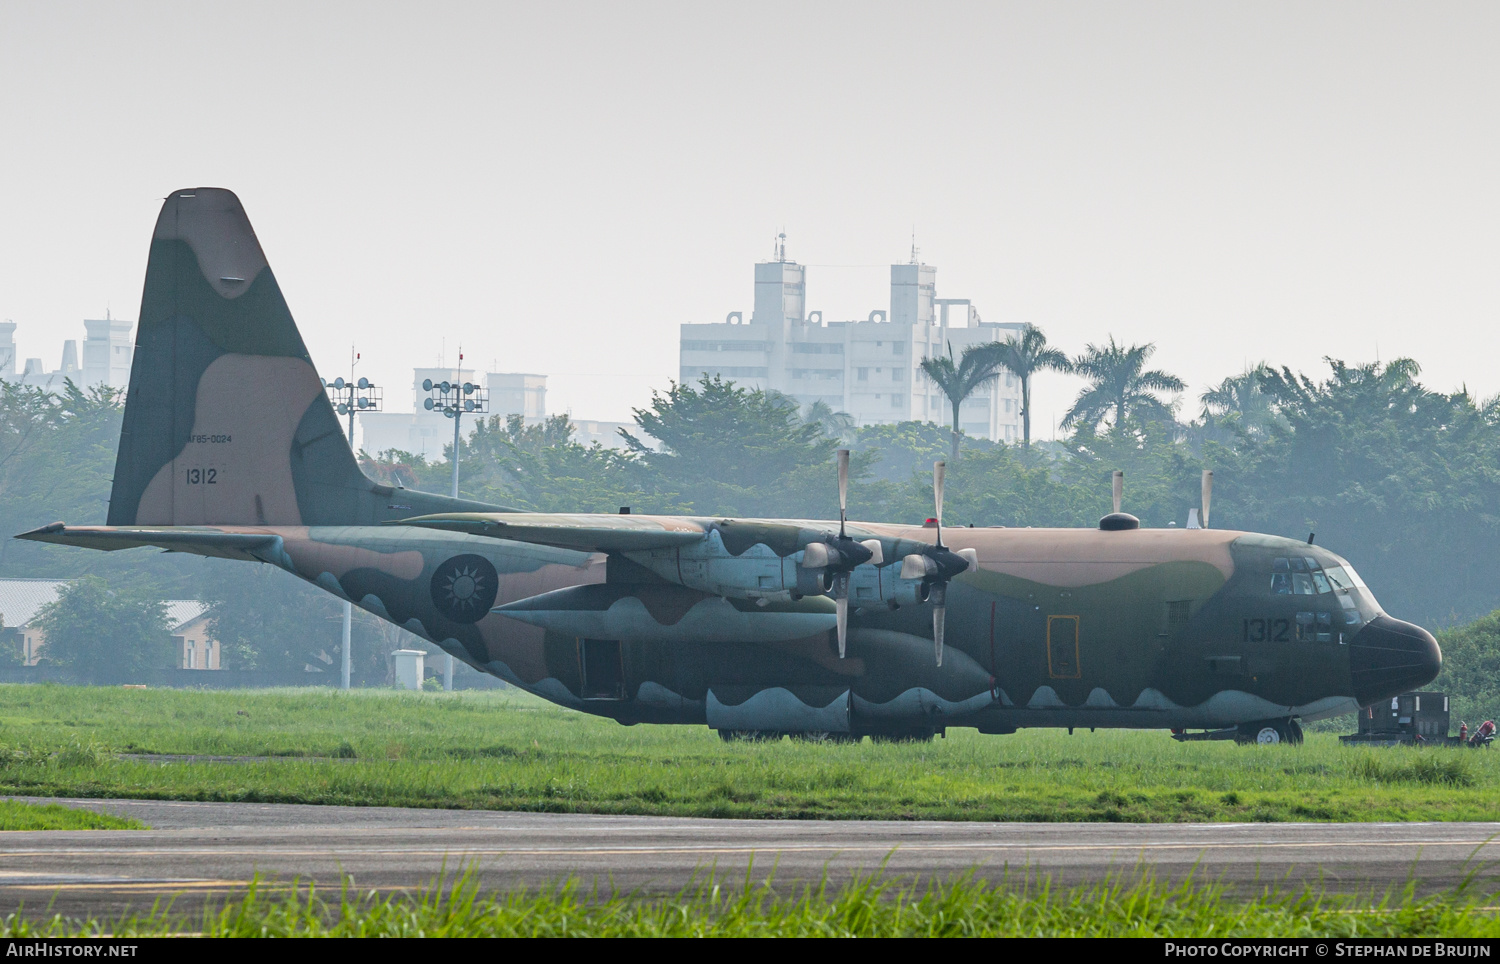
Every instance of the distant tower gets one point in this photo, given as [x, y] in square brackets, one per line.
[913, 288]
[780, 290]
[69, 367]
[107, 352]
[7, 349]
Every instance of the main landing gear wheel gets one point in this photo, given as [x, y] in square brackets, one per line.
[1270, 732]
[748, 736]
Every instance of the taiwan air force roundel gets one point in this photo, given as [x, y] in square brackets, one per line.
[464, 588]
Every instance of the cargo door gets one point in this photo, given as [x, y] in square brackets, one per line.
[603, 666]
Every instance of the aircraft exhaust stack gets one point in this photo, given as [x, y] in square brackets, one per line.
[1119, 489]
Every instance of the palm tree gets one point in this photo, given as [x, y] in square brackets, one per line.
[975, 368]
[1023, 357]
[1238, 404]
[1120, 386]
[839, 425]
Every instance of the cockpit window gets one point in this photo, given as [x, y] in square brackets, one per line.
[1281, 583]
[1279, 565]
[1302, 584]
[1321, 582]
[1315, 627]
[1297, 564]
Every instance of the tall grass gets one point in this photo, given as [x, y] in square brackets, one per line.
[511, 751]
[870, 906]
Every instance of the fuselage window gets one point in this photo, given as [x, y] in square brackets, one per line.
[1305, 632]
[1325, 627]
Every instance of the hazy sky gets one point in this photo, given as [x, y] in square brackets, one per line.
[559, 186]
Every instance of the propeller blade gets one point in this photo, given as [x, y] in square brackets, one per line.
[841, 609]
[939, 600]
[843, 489]
[1119, 488]
[939, 469]
[877, 554]
[1208, 493]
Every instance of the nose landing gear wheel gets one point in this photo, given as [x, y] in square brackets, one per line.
[1269, 732]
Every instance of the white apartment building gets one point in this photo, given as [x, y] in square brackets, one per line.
[868, 368]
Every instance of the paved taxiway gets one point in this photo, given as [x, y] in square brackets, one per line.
[197, 849]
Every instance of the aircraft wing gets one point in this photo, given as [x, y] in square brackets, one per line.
[591, 532]
[583, 531]
[199, 540]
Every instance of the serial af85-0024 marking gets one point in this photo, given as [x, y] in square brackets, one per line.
[230, 448]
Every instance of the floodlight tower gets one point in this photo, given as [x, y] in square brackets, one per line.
[351, 398]
[455, 400]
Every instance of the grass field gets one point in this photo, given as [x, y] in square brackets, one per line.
[506, 750]
[15, 815]
[869, 907]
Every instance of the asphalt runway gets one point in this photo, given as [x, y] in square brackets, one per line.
[198, 851]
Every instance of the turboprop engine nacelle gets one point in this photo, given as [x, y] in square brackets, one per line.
[670, 614]
[758, 573]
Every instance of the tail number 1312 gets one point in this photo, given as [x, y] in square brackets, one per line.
[1267, 630]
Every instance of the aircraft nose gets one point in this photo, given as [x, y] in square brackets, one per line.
[1389, 657]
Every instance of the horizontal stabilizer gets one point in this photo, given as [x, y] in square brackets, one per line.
[199, 541]
[582, 531]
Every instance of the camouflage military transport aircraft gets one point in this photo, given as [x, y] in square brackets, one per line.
[230, 448]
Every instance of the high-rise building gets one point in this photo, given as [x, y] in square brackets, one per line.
[869, 368]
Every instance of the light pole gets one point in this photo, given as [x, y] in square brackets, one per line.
[351, 398]
[455, 399]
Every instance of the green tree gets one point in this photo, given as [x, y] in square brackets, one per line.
[104, 634]
[839, 425]
[1023, 357]
[1237, 408]
[1471, 670]
[542, 469]
[1121, 387]
[269, 620]
[979, 365]
[1399, 479]
[734, 451]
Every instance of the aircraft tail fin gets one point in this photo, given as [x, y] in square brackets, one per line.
[226, 420]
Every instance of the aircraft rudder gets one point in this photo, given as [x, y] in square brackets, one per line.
[226, 420]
